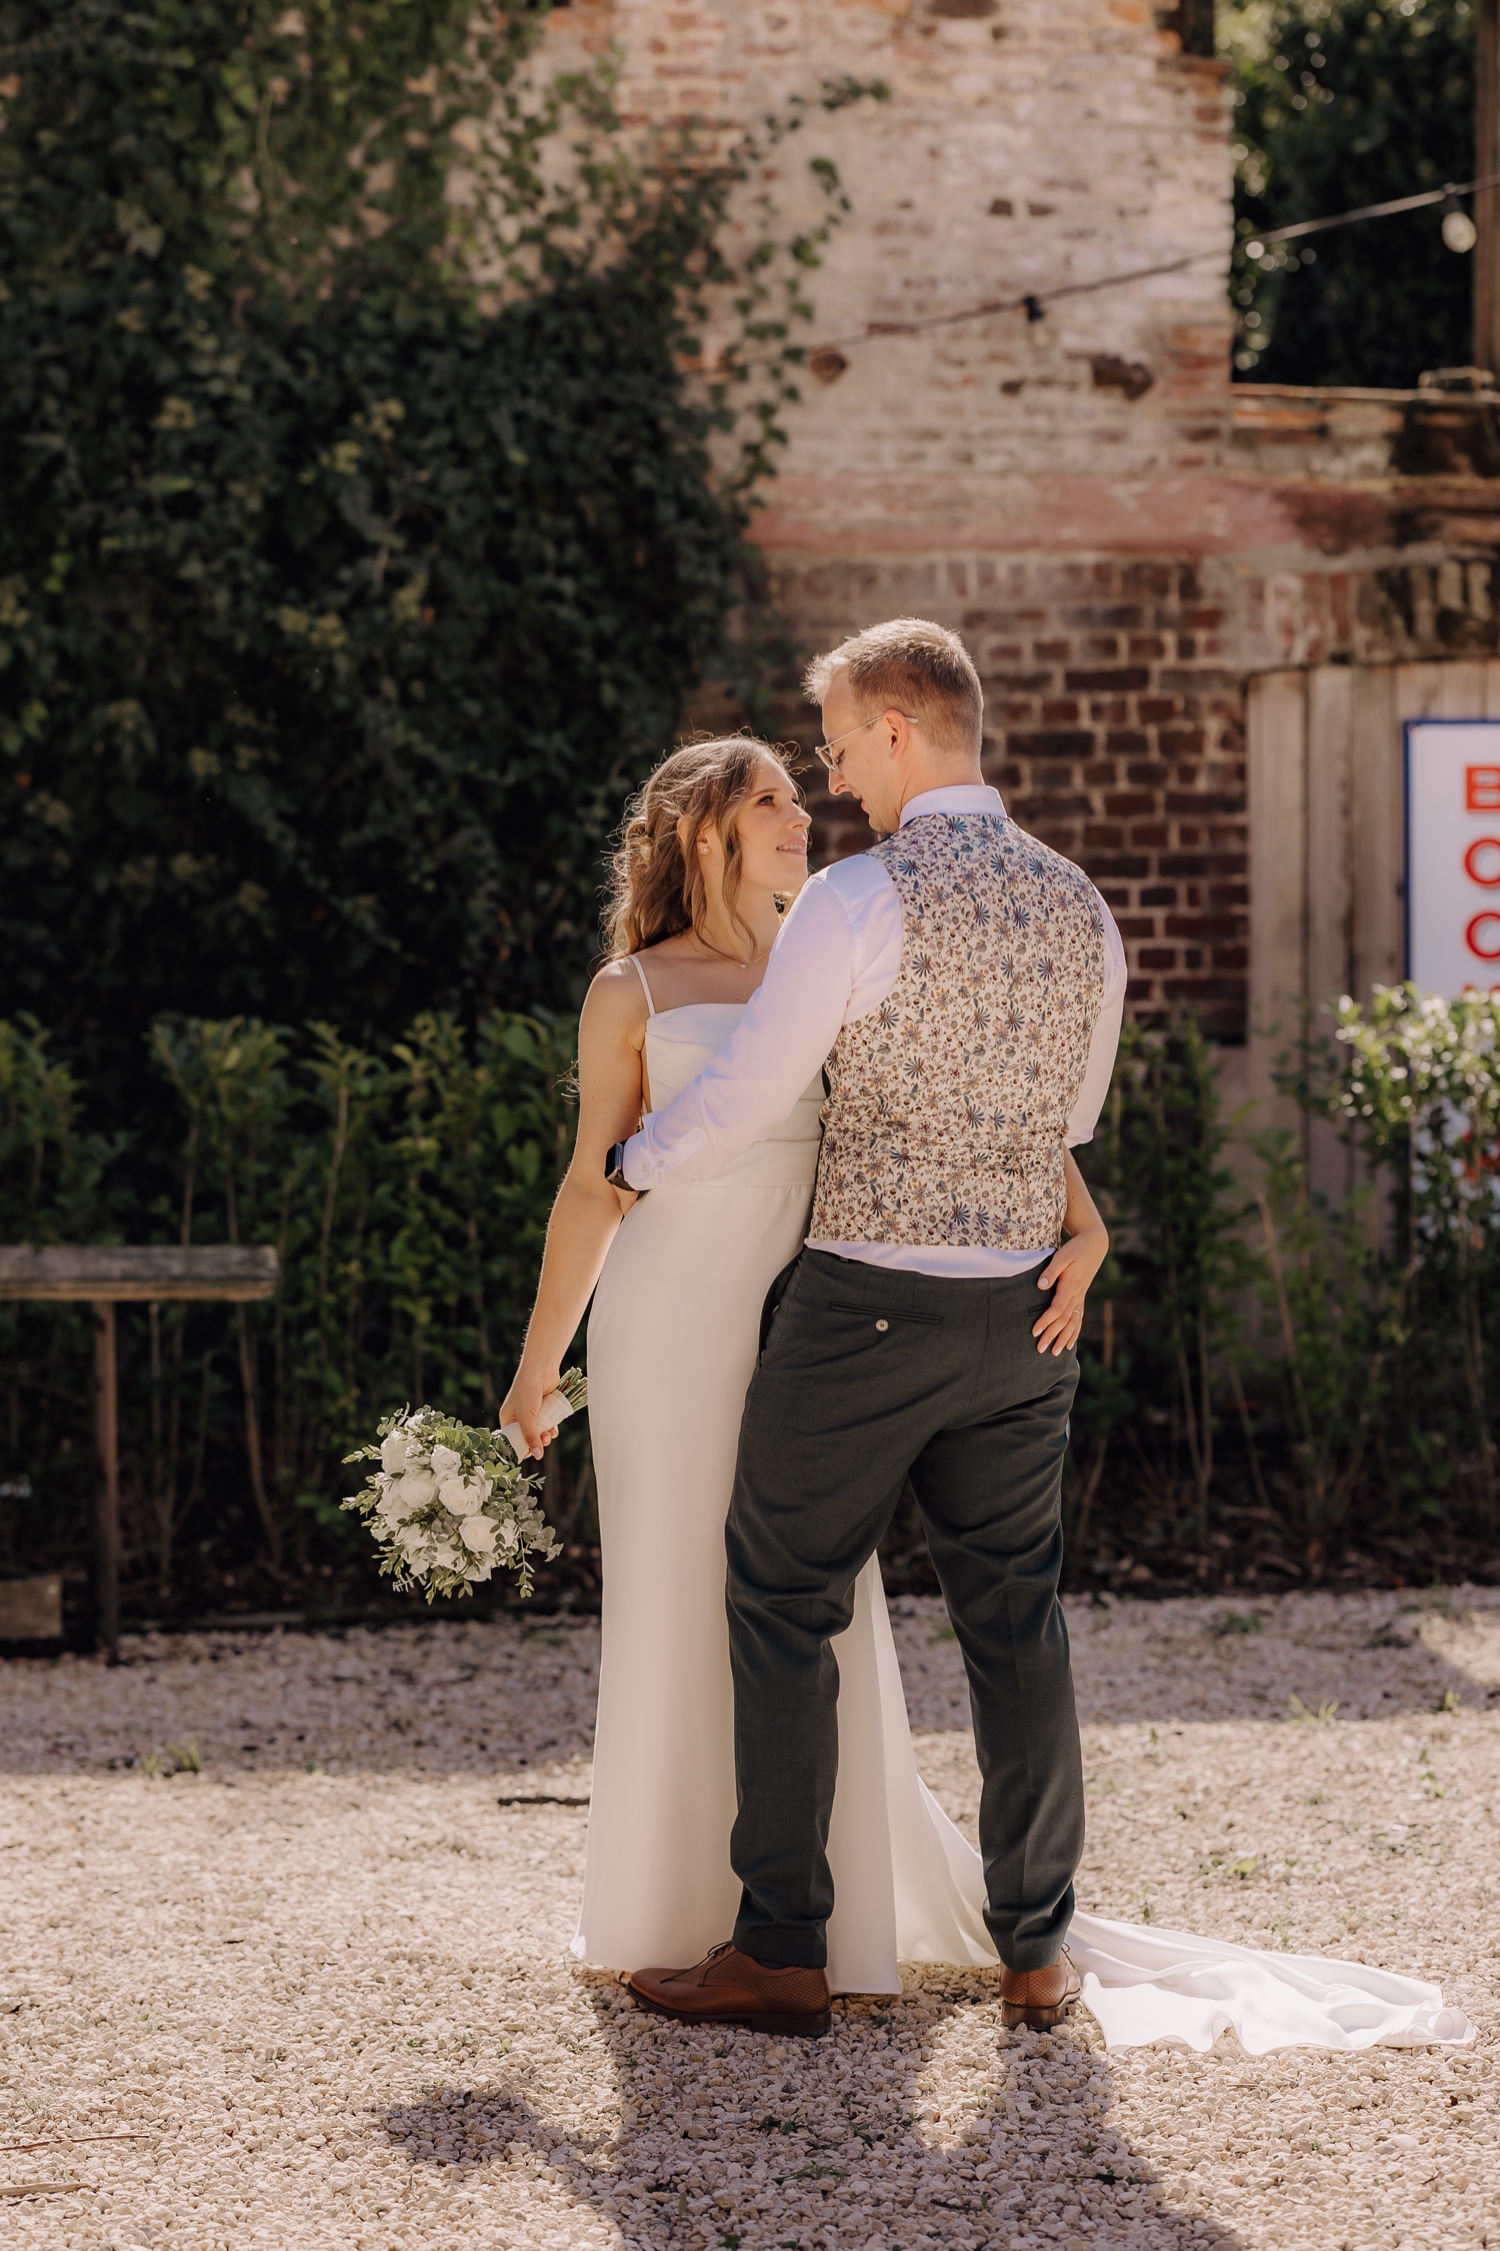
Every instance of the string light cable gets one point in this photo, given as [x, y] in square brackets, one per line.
[1448, 195]
[1034, 302]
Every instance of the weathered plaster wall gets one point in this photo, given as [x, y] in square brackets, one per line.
[1026, 143]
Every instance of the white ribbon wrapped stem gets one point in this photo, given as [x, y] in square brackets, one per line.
[555, 1408]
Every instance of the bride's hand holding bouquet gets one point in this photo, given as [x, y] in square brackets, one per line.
[450, 1504]
[533, 1409]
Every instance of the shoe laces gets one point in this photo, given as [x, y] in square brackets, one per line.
[714, 1954]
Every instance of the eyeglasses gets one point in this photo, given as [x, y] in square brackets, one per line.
[833, 758]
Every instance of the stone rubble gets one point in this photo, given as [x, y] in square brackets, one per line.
[324, 1983]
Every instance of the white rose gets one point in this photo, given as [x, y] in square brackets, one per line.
[455, 1496]
[412, 1539]
[480, 1570]
[395, 1453]
[418, 1487]
[445, 1462]
[404, 1496]
[448, 1557]
[478, 1534]
[507, 1536]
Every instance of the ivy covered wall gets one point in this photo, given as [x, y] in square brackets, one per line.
[340, 603]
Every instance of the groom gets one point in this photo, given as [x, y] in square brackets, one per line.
[964, 984]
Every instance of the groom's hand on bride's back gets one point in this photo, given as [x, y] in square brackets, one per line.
[1067, 1274]
[522, 1404]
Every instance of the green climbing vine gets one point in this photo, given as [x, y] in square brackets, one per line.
[371, 503]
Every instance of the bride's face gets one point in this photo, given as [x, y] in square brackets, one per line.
[772, 830]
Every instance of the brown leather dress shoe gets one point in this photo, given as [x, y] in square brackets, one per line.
[727, 1987]
[1040, 1998]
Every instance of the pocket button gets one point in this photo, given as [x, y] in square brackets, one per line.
[882, 1326]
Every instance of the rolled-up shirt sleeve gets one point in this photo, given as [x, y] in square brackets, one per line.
[755, 1080]
[1084, 1115]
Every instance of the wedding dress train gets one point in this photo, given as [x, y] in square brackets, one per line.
[673, 1336]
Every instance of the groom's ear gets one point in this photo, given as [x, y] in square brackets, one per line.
[901, 730]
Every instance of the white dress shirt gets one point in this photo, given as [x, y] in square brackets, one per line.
[836, 957]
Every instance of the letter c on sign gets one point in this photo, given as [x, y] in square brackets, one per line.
[1474, 867]
[1476, 930]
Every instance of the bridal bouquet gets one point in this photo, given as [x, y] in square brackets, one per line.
[449, 1503]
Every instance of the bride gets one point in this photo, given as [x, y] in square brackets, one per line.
[713, 846]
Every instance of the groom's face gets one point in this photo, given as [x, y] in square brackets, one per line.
[868, 766]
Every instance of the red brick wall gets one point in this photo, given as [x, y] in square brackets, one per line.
[1112, 726]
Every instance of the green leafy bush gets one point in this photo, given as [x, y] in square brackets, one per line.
[1418, 1096]
[1385, 1313]
[407, 1199]
[1340, 103]
[1331, 1322]
[361, 536]
[1268, 1377]
[1156, 1356]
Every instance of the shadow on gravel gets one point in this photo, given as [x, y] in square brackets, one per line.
[1246, 1660]
[737, 2142]
[445, 1696]
[516, 1702]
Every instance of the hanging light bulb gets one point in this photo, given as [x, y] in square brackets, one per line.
[1459, 230]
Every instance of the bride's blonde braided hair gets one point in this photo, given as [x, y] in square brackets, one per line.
[656, 886]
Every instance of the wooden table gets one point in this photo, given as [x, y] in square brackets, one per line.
[107, 1278]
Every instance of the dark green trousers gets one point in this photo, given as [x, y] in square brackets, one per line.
[867, 1376]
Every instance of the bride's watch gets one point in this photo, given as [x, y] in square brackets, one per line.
[614, 1170]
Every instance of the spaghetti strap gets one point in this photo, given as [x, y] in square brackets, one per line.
[635, 961]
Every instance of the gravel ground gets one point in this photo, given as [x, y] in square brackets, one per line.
[318, 1994]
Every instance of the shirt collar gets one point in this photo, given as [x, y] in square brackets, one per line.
[963, 797]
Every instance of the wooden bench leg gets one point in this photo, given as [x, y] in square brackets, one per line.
[107, 1486]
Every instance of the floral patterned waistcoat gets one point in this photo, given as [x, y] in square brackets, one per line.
[948, 1104]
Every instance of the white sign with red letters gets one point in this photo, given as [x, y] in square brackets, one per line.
[1453, 854]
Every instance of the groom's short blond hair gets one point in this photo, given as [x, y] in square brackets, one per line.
[911, 665]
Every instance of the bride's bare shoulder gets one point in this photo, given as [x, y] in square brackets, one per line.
[616, 1000]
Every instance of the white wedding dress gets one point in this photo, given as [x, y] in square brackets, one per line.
[672, 1343]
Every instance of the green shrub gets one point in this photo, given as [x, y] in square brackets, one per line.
[1340, 103]
[407, 1199]
[1330, 1322]
[1418, 1096]
[344, 598]
[1177, 1258]
[1266, 1377]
